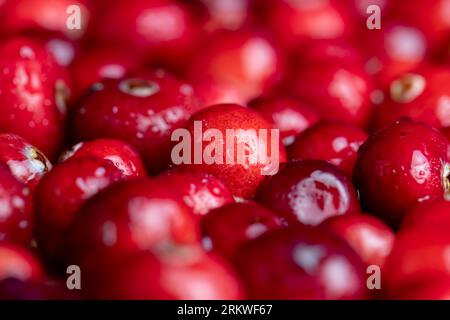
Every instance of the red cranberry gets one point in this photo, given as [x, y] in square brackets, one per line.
[129, 217]
[367, 235]
[338, 92]
[33, 94]
[400, 166]
[141, 111]
[45, 16]
[435, 214]
[14, 289]
[288, 115]
[212, 91]
[249, 62]
[422, 96]
[200, 191]
[241, 172]
[62, 192]
[18, 263]
[229, 227]
[16, 221]
[186, 274]
[309, 191]
[25, 161]
[295, 22]
[336, 143]
[123, 156]
[98, 63]
[300, 263]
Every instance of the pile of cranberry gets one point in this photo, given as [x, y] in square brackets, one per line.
[92, 205]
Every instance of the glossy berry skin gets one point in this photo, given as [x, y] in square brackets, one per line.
[17, 219]
[33, 94]
[420, 95]
[26, 162]
[400, 166]
[123, 156]
[336, 143]
[309, 192]
[63, 50]
[371, 239]
[61, 193]
[226, 14]
[229, 227]
[200, 191]
[18, 263]
[130, 217]
[213, 91]
[151, 277]
[434, 214]
[287, 114]
[247, 61]
[337, 91]
[300, 262]
[241, 180]
[142, 111]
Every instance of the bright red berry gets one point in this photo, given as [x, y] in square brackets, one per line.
[309, 192]
[336, 143]
[400, 166]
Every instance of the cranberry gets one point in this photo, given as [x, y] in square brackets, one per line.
[229, 227]
[289, 115]
[247, 61]
[336, 143]
[98, 63]
[14, 289]
[434, 214]
[185, 274]
[295, 22]
[338, 91]
[300, 262]
[18, 263]
[400, 166]
[45, 16]
[213, 91]
[241, 172]
[161, 29]
[367, 235]
[33, 94]
[25, 162]
[129, 217]
[16, 221]
[309, 191]
[62, 192]
[119, 153]
[422, 96]
[200, 191]
[142, 111]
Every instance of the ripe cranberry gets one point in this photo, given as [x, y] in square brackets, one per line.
[435, 214]
[44, 16]
[295, 22]
[300, 262]
[400, 166]
[14, 289]
[142, 111]
[186, 274]
[338, 91]
[98, 63]
[247, 61]
[336, 143]
[16, 221]
[161, 29]
[33, 92]
[289, 115]
[309, 191]
[130, 217]
[212, 91]
[229, 227]
[421, 95]
[25, 162]
[18, 263]
[62, 192]
[200, 191]
[123, 156]
[241, 172]
[367, 235]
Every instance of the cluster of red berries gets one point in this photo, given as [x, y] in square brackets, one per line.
[87, 178]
